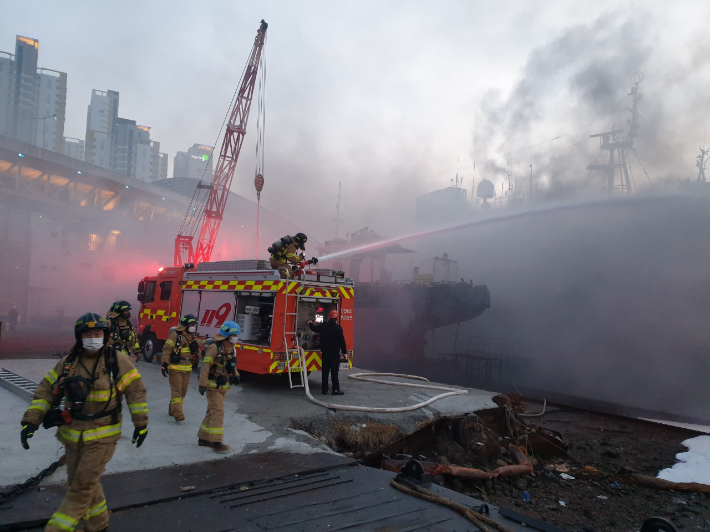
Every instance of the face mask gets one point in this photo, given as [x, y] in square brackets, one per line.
[92, 344]
[191, 329]
[233, 339]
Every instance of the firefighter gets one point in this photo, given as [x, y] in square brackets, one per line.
[284, 253]
[219, 371]
[179, 355]
[122, 335]
[332, 341]
[92, 379]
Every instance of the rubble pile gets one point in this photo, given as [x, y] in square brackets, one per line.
[575, 469]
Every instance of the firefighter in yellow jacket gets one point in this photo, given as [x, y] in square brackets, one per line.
[122, 335]
[92, 379]
[179, 354]
[284, 253]
[219, 371]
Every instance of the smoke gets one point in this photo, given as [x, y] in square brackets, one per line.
[611, 299]
[577, 85]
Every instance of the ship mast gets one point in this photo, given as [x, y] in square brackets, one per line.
[619, 147]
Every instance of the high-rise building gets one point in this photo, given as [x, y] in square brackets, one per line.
[147, 163]
[196, 162]
[74, 148]
[124, 140]
[100, 118]
[6, 63]
[119, 144]
[163, 168]
[24, 91]
[133, 153]
[32, 101]
[51, 110]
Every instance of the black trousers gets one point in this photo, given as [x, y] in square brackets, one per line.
[331, 365]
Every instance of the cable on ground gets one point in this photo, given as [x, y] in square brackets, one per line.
[476, 518]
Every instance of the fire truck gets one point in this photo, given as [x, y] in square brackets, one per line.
[272, 312]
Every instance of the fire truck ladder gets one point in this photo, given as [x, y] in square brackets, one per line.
[16, 384]
[291, 353]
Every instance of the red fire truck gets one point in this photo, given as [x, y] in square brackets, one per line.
[271, 311]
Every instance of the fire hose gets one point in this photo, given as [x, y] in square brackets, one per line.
[448, 392]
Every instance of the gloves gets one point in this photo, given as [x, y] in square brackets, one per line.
[235, 379]
[314, 261]
[164, 369]
[139, 435]
[202, 390]
[28, 430]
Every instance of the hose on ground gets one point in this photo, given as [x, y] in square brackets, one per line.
[417, 491]
[449, 392]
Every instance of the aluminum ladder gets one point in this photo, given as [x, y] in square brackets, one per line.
[290, 352]
[18, 385]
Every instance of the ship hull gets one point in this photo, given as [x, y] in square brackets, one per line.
[391, 320]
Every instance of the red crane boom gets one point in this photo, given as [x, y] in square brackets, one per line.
[229, 154]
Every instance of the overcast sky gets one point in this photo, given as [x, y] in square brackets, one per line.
[386, 96]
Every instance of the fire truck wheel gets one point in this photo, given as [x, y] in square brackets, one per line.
[150, 348]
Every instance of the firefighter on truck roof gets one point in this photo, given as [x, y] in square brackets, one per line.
[179, 355]
[122, 335]
[284, 253]
[92, 379]
[219, 371]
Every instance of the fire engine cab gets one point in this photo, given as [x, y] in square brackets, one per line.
[271, 311]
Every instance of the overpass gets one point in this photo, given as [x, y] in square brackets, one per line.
[66, 225]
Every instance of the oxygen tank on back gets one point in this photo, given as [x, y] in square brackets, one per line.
[280, 244]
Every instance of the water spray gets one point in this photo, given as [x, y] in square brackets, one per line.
[497, 218]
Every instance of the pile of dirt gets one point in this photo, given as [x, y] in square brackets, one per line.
[354, 436]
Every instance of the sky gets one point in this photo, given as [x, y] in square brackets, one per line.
[392, 99]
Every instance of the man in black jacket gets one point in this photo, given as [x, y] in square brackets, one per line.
[332, 341]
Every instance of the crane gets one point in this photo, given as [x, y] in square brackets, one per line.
[210, 218]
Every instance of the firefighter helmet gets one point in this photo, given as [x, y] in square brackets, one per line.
[120, 306]
[333, 315]
[300, 239]
[229, 328]
[89, 321]
[188, 319]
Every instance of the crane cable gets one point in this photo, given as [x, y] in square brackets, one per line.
[260, 140]
[192, 220]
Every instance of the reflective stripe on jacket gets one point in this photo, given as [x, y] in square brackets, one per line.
[185, 351]
[210, 364]
[104, 396]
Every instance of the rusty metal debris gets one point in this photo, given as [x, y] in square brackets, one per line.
[523, 467]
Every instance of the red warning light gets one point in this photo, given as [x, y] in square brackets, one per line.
[160, 269]
[320, 309]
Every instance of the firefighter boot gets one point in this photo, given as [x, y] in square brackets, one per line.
[220, 447]
[179, 383]
[212, 428]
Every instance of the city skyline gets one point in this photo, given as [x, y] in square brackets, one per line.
[33, 110]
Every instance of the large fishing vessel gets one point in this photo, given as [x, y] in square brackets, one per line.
[392, 317]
